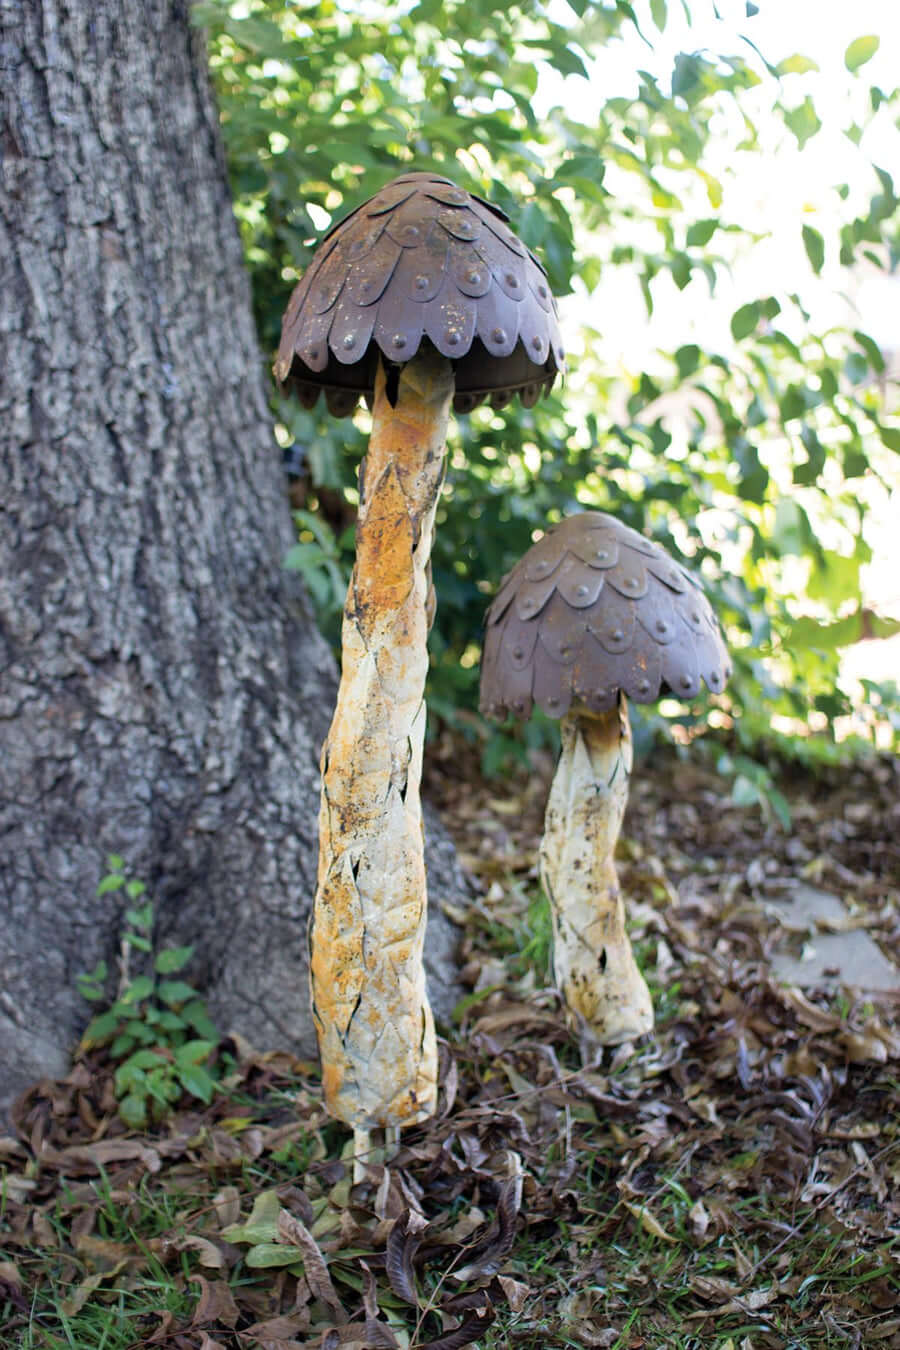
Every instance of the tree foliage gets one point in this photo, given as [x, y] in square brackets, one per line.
[753, 456]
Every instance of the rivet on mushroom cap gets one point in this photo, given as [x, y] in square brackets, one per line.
[422, 258]
[594, 608]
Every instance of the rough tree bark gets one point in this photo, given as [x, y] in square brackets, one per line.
[163, 692]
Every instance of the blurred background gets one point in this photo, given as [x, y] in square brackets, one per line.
[709, 187]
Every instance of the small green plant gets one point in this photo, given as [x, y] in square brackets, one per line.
[753, 785]
[324, 560]
[158, 1026]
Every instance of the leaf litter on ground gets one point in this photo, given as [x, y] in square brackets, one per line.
[734, 1178]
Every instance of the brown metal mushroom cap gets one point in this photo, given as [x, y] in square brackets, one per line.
[422, 261]
[594, 608]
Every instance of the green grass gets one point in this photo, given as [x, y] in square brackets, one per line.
[595, 1264]
[673, 1199]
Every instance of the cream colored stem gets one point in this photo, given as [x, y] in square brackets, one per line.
[362, 1154]
[375, 1028]
[592, 958]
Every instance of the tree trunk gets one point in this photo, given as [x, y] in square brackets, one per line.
[163, 692]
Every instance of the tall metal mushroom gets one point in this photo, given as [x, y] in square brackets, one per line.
[422, 297]
[592, 613]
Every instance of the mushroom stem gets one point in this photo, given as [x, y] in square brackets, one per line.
[593, 963]
[362, 1154]
[373, 1020]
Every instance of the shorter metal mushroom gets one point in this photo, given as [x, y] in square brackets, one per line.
[594, 612]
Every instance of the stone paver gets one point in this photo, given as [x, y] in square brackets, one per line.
[850, 957]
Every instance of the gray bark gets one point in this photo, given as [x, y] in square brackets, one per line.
[163, 691]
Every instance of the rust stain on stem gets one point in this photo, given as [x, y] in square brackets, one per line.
[593, 963]
[375, 1028]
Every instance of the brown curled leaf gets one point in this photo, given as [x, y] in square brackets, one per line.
[487, 1256]
[401, 1248]
[470, 1301]
[369, 1291]
[291, 1230]
[278, 1330]
[470, 1329]
[216, 1305]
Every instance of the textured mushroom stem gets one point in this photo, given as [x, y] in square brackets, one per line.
[375, 1028]
[592, 958]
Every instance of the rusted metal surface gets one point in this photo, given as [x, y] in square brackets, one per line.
[592, 610]
[593, 963]
[375, 1028]
[423, 263]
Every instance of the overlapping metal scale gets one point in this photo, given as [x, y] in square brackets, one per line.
[423, 260]
[594, 608]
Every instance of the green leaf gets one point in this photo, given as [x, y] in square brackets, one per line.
[135, 889]
[141, 1031]
[807, 473]
[815, 248]
[145, 1059]
[99, 973]
[803, 121]
[857, 627]
[262, 1225]
[162, 1086]
[172, 959]
[100, 1029]
[197, 1082]
[122, 1045]
[861, 50]
[89, 983]
[133, 1110]
[872, 351]
[701, 231]
[658, 13]
[687, 359]
[268, 1254]
[142, 917]
[835, 579]
[795, 65]
[856, 367]
[744, 792]
[196, 1016]
[532, 225]
[791, 533]
[141, 987]
[686, 75]
[744, 320]
[114, 881]
[175, 991]
[792, 403]
[681, 270]
[779, 804]
[891, 437]
[130, 1077]
[89, 991]
[854, 462]
[192, 1052]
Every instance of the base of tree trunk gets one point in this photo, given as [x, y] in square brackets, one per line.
[164, 693]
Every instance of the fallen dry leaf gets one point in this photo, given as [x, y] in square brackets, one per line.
[648, 1222]
[216, 1304]
[291, 1230]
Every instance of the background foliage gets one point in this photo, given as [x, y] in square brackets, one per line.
[750, 460]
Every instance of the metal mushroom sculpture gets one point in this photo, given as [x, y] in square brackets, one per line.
[421, 298]
[594, 612]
